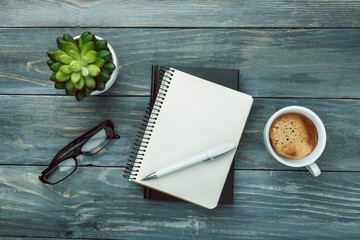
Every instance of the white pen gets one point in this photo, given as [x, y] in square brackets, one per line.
[188, 162]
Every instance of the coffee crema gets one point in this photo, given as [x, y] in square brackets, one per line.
[293, 136]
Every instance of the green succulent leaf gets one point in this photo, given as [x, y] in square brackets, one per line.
[81, 39]
[66, 59]
[57, 54]
[65, 69]
[70, 92]
[75, 55]
[69, 85]
[56, 66]
[84, 71]
[79, 95]
[86, 48]
[88, 91]
[62, 77]
[100, 44]
[59, 85]
[69, 38]
[82, 62]
[53, 77]
[99, 62]
[103, 76]
[90, 56]
[61, 44]
[50, 63]
[75, 66]
[84, 34]
[93, 70]
[110, 67]
[51, 55]
[89, 38]
[71, 46]
[90, 82]
[100, 86]
[80, 84]
[75, 77]
[105, 54]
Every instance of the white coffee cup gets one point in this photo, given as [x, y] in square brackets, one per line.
[308, 161]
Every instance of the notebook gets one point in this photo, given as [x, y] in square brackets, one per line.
[226, 77]
[190, 115]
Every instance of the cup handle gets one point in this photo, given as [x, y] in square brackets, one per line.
[313, 169]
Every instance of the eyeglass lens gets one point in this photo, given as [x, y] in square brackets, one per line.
[61, 171]
[97, 142]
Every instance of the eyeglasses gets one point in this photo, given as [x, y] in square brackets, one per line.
[90, 143]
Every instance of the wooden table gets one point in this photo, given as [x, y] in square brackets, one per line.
[289, 53]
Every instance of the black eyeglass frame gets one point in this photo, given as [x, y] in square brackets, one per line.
[77, 144]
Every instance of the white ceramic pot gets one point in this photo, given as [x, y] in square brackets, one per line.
[113, 75]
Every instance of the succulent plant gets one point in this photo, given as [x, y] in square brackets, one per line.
[81, 65]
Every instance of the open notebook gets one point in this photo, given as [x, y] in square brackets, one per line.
[190, 116]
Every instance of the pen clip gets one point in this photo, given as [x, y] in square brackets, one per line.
[219, 151]
[209, 159]
[216, 157]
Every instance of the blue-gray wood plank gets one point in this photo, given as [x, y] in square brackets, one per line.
[289, 53]
[98, 203]
[273, 63]
[35, 127]
[186, 13]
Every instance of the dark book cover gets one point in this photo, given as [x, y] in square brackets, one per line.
[227, 77]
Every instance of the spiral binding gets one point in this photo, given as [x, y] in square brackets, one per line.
[143, 135]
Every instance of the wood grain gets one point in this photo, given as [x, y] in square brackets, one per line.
[289, 53]
[188, 13]
[316, 63]
[271, 205]
[41, 125]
